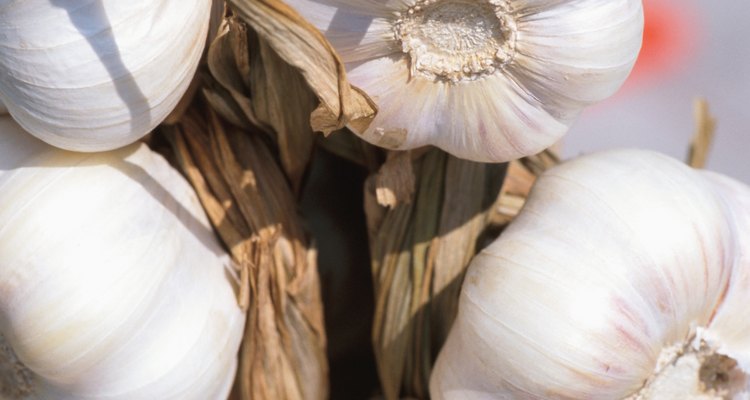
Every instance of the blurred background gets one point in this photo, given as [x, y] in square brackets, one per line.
[691, 48]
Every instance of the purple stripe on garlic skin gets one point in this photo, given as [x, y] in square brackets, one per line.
[625, 276]
[485, 80]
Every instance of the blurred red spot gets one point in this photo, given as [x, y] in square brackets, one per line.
[671, 38]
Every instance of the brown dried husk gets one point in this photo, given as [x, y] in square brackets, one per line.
[303, 47]
[518, 182]
[255, 85]
[252, 87]
[420, 248]
[252, 207]
[278, 77]
[705, 128]
[424, 230]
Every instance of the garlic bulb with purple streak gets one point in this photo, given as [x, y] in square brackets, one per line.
[626, 275]
[485, 80]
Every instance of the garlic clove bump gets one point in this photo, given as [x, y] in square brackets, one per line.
[94, 75]
[112, 283]
[485, 80]
[624, 276]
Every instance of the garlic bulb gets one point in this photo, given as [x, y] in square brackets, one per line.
[93, 75]
[112, 284]
[626, 274]
[486, 80]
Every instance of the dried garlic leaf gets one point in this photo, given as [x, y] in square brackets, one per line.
[226, 56]
[223, 102]
[541, 162]
[395, 180]
[251, 205]
[705, 128]
[471, 190]
[281, 97]
[518, 182]
[419, 252]
[272, 94]
[516, 188]
[301, 45]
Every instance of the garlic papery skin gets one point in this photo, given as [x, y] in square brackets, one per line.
[625, 274]
[112, 283]
[94, 75]
[485, 80]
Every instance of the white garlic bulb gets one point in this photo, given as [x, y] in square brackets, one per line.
[112, 284]
[93, 75]
[485, 80]
[625, 274]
